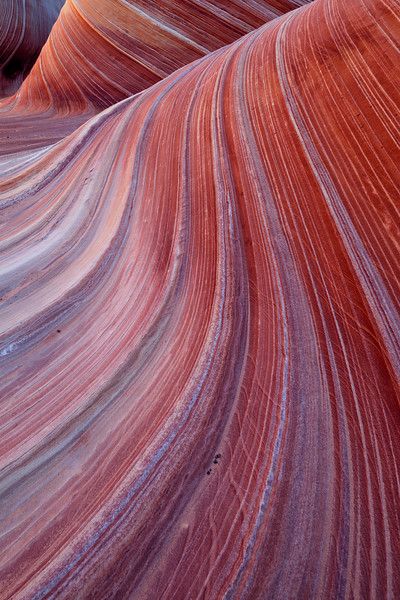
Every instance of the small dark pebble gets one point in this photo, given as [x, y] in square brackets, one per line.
[58, 330]
[215, 462]
[208, 472]
[217, 456]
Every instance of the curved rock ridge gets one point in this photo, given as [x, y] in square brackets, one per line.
[24, 28]
[199, 330]
[147, 39]
[101, 52]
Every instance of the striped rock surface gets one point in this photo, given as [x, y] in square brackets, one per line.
[147, 39]
[199, 329]
[24, 28]
[101, 52]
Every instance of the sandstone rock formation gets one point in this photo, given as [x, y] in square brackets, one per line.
[101, 52]
[199, 344]
[24, 28]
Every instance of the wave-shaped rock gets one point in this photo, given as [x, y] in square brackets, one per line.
[102, 52]
[199, 330]
[99, 53]
[24, 28]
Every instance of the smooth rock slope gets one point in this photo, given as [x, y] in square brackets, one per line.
[101, 52]
[199, 346]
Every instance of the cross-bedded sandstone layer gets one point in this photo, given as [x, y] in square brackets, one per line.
[104, 51]
[200, 332]
[24, 28]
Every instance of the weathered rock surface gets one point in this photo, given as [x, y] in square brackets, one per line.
[200, 334]
[24, 28]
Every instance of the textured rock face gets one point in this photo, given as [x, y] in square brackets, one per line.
[24, 28]
[146, 39]
[101, 52]
[199, 330]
